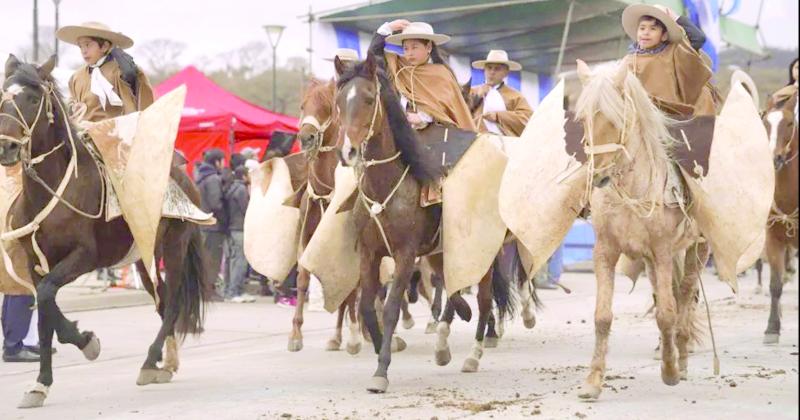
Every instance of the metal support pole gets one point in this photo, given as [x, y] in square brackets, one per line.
[55, 51]
[36, 31]
[310, 48]
[564, 38]
[274, 83]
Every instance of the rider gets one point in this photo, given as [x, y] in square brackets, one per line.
[790, 89]
[428, 88]
[503, 110]
[665, 58]
[119, 87]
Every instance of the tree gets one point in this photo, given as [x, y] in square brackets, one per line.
[160, 58]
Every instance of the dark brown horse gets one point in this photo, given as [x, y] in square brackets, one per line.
[317, 135]
[391, 167]
[782, 235]
[74, 238]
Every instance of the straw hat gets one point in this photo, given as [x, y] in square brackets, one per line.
[417, 30]
[344, 54]
[70, 34]
[632, 14]
[497, 57]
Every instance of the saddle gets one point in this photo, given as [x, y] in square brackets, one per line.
[448, 145]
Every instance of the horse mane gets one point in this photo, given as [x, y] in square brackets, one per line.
[319, 91]
[601, 95]
[412, 152]
[27, 75]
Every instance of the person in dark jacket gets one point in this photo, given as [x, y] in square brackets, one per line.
[209, 182]
[236, 199]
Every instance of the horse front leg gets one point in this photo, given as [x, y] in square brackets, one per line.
[52, 320]
[605, 260]
[408, 320]
[391, 314]
[472, 362]
[776, 256]
[296, 337]
[370, 284]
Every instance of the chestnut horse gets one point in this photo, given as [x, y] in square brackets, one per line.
[782, 240]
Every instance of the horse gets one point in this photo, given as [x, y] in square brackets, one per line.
[318, 129]
[626, 195]
[782, 239]
[74, 238]
[391, 166]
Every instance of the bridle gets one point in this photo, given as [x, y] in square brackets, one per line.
[374, 207]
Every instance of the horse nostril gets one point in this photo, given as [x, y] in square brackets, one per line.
[351, 154]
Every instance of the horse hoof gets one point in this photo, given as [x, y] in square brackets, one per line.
[333, 345]
[295, 344]
[771, 339]
[353, 348]
[378, 385]
[398, 344]
[529, 323]
[153, 376]
[470, 365]
[443, 357]
[408, 323]
[589, 392]
[32, 399]
[430, 328]
[92, 349]
[670, 378]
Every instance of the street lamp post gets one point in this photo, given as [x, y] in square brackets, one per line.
[56, 3]
[274, 33]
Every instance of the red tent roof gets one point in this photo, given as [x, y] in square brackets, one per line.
[209, 107]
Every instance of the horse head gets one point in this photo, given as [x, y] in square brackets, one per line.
[358, 107]
[317, 111]
[781, 124]
[619, 119]
[26, 111]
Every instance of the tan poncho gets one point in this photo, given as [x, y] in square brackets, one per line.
[80, 89]
[676, 78]
[511, 121]
[432, 89]
[784, 93]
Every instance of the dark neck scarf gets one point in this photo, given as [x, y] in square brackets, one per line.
[635, 49]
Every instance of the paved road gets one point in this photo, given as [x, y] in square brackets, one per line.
[240, 369]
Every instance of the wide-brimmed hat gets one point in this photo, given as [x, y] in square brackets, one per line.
[344, 54]
[634, 12]
[70, 34]
[417, 30]
[497, 57]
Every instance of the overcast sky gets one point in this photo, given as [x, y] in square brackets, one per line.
[213, 27]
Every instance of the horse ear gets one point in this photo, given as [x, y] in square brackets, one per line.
[369, 65]
[45, 69]
[584, 73]
[339, 65]
[12, 63]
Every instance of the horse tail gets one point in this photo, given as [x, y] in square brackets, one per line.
[195, 288]
[504, 277]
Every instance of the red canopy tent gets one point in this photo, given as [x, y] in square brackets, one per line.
[214, 117]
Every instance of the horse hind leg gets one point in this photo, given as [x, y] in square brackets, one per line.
[492, 339]
[688, 323]
[528, 314]
[776, 255]
[408, 320]
[666, 316]
[441, 350]
[296, 337]
[472, 362]
[335, 342]
[605, 260]
[436, 304]
[354, 338]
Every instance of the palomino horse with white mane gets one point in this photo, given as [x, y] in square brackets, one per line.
[637, 194]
